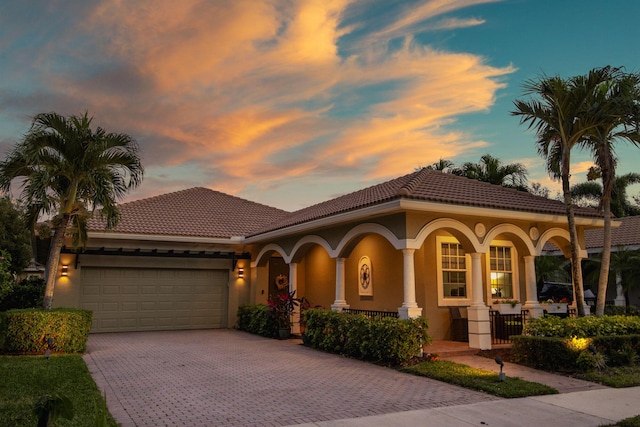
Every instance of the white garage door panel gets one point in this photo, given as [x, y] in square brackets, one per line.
[135, 299]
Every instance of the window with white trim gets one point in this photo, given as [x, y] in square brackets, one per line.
[501, 267]
[453, 277]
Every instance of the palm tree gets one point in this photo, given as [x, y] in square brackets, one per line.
[491, 169]
[618, 107]
[68, 170]
[562, 115]
[591, 193]
[442, 165]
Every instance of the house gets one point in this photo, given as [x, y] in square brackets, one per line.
[417, 245]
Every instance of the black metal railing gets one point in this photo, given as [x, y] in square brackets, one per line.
[503, 326]
[370, 313]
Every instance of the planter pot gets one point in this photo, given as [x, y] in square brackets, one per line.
[555, 308]
[284, 333]
[508, 308]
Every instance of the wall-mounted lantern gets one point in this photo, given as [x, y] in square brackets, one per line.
[240, 273]
[65, 270]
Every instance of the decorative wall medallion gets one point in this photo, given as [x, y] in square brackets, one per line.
[534, 233]
[365, 277]
[282, 282]
[480, 229]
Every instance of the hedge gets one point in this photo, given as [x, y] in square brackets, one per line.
[384, 340]
[27, 331]
[256, 319]
[569, 344]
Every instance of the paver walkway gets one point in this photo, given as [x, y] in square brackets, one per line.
[231, 378]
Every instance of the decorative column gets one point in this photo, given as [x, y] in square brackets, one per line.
[531, 303]
[620, 300]
[478, 312]
[341, 301]
[409, 309]
[293, 286]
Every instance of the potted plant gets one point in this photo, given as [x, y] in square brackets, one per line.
[552, 306]
[282, 307]
[507, 306]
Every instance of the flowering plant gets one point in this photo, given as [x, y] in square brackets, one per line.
[551, 301]
[282, 307]
[513, 302]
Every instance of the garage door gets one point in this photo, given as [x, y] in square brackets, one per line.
[143, 299]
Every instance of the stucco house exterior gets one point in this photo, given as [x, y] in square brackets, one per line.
[418, 244]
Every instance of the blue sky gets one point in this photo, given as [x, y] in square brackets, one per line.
[291, 103]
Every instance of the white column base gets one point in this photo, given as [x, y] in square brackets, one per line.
[535, 309]
[620, 301]
[339, 305]
[479, 327]
[409, 312]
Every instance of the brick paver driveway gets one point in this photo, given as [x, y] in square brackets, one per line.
[231, 378]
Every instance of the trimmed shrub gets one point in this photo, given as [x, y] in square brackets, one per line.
[583, 327]
[257, 319]
[383, 340]
[27, 331]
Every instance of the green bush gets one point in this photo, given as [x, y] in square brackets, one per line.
[27, 331]
[257, 319]
[29, 293]
[583, 327]
[384, 340]
[549, 353]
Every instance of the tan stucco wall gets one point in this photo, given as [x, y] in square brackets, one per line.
[318, 276]
[387, 275]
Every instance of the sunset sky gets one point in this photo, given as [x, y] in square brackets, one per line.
[290, 103]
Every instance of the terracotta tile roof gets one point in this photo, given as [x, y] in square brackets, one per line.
[432, 186]
[197, 212]
[627, 234]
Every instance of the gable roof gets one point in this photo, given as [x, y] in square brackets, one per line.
[432, 186]
[627, 234]
[196, 212]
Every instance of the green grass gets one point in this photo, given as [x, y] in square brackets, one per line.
[478, 379]
[619, 377]
[627, 422]
[24, 379]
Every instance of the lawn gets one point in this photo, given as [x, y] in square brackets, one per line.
[478, 379]
[26, 378]
[620, 376]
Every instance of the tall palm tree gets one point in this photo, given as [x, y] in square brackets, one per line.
[618, 104]
[68, 170]
[491, 169]
[591, 193]
[562, 113]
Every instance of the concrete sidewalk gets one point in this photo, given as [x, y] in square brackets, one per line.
[580, 409]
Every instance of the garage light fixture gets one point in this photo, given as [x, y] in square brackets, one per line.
[65, 270]
[240, 273]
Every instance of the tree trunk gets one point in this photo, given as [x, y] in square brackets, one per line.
[603, 279]
[51, 269]
[576, 267]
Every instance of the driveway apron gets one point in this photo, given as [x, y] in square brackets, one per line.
[232, 378]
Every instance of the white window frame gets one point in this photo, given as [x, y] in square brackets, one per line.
[455, 301]
[514, 270]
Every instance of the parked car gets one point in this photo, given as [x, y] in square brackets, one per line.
[556, 291]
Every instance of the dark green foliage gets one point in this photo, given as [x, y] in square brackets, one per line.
[27, 331]
[619, 377]
[257, 319]
[29, 293]
[552, 354]
[583, 327]
[619, 310]
[383, 340]
[50, 407]
[479, 379]
[15, 237]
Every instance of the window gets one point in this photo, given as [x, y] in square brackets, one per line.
[501, 267]
[453, 278]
